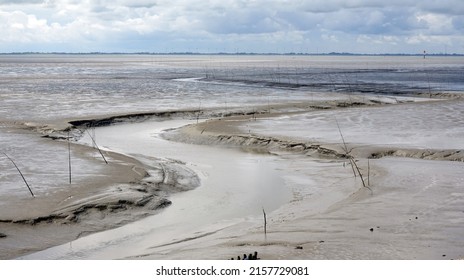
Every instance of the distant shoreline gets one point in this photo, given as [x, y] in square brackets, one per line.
[235, 54]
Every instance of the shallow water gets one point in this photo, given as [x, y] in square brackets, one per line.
[426, 125]
[43, 162]
[234, 185]
[45, 87]
[50, 89]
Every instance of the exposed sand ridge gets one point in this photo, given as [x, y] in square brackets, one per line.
[125, 190]
[225, 132]
[145, 193]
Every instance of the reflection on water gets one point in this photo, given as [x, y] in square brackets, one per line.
[234, 185]
[48, 89]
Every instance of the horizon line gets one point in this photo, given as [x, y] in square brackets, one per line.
[235, 53]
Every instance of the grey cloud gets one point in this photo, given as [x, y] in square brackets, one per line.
[301, 20]
[448, 7]
[17, 2]
[257, 22]
[454, 7]
[242, 22]
[458, 23]
[130, 3]
[139, 3]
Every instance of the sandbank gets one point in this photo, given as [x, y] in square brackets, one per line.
[411, 208]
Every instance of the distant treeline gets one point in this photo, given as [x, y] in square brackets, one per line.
[236, 53]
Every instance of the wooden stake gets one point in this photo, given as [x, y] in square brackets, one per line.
[199, 111]
[352, 159]
[95, 143]
[20, 173]
[69, 160]
[265, 224]
[368, 172]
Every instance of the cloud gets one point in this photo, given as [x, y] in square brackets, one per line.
[257, 25]
[437, 24]
[15, 2]
[378, 39]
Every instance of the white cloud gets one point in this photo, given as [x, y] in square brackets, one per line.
[258, 24]
[437, 23]
[378, 39]
[331, 38]
[421, 39]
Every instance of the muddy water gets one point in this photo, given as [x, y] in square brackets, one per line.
[234, 186]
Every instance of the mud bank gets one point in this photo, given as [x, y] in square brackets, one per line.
[234, 186]
[411, 209]
[243, 131]
[119, 191]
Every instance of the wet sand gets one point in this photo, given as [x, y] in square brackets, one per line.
[263, 121]
[111, 198]
[234, 186]
[411, 209]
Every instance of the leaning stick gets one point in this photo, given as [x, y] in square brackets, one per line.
[352, 159]
[20, 173]
[345, 148]
[95, 143]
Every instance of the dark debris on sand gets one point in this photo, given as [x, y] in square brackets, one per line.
[253, 256]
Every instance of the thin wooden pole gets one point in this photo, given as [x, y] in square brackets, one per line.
[20, 173]
[69, 160]
[368, 173]
[265, 224]
[95, 143]
[199, 111]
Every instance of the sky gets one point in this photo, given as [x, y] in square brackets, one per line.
[207, 26]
